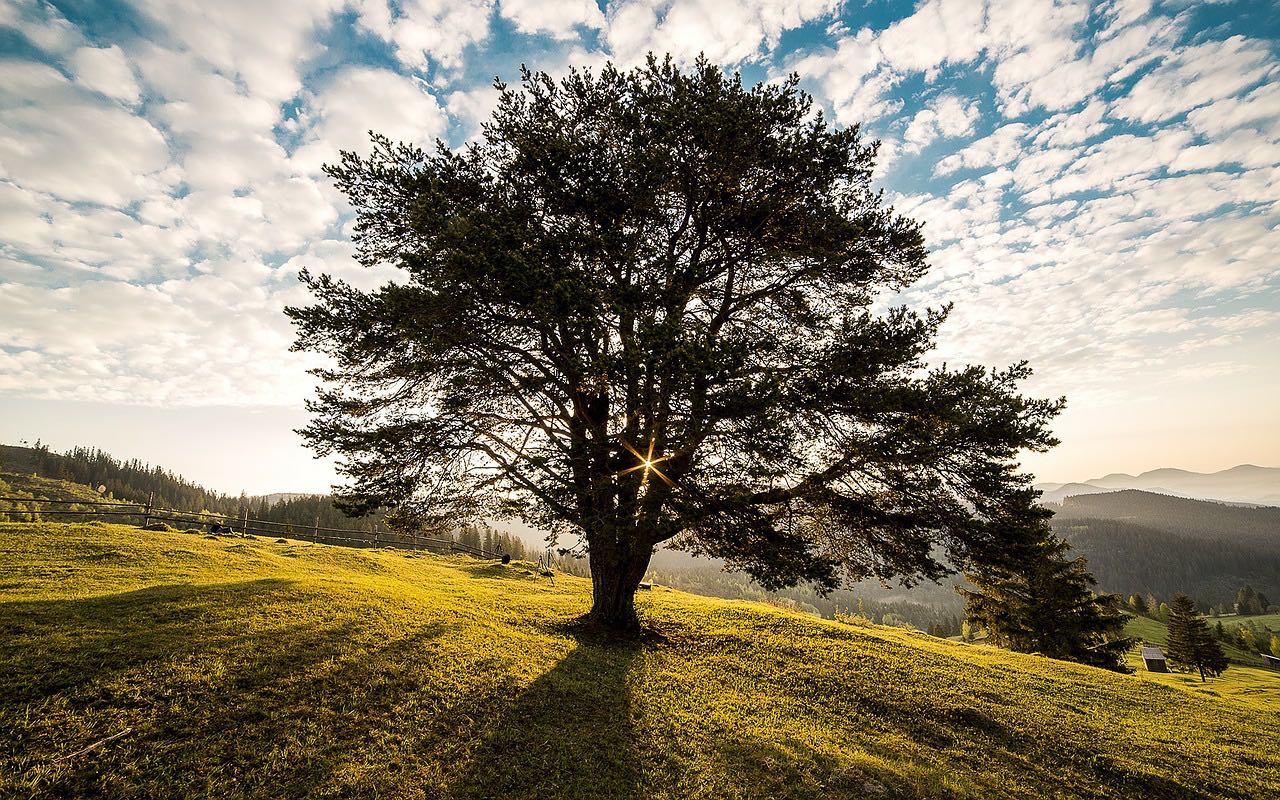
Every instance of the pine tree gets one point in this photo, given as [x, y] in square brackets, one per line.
[1041, 601]
[1138, 604]
[642, 306]
[1191, 645]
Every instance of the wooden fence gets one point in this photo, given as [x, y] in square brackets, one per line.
[147, 514]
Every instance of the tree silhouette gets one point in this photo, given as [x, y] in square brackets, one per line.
[1040, 600]
[641, 308]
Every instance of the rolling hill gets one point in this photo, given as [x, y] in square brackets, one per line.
[1139, 542]
[256, 668]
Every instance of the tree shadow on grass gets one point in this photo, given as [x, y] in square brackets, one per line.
[225, 689]
[570, 734]
[50, 646]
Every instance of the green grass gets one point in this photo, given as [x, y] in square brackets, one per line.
[256, 669]
[1270, 621]
[14, 484]
[1245, 680]
[1156, 632]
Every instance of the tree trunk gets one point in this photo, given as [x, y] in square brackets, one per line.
[614, 579]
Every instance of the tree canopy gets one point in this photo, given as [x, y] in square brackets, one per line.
[656, 305]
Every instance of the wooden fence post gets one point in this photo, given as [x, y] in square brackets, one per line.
[146, 517]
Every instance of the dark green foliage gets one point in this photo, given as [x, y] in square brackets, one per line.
[1040, 600]
[1249, 601]
[1191, 645]
[1144, 542]
[666, 264]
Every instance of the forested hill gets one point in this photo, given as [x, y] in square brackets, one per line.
[130, 480]
[1197, 518]
[136, 482]
[1140, 542]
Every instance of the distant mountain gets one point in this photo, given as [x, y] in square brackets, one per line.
[1057, 492]
[1243, 484]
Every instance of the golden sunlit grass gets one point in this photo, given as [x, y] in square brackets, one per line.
[1249, 682]
[255, 669]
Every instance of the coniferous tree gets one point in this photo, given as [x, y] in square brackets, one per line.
[642, 308]
[1138, 604]
[1191, 645]
[1041, 601]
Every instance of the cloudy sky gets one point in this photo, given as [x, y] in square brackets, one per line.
[1100, 184]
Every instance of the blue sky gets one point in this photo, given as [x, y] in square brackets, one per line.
[1100, 184]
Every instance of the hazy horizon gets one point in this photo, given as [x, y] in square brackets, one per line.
[251, 449]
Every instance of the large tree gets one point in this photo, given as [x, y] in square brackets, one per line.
[654, 305]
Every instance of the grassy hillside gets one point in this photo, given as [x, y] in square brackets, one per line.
[263, 669]
[1246, 679]
[35, 487]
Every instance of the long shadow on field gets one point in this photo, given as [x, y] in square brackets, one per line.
[570, 734]
[210, 679]
[51, 646]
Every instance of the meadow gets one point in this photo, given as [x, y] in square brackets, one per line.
[229, 667]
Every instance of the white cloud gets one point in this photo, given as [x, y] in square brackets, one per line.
[947, 117]
[105, 70]
[728, 33]
[61, 139]
[41, 24]
[360, 99]
[1196, 76]
[260, 44]
[852, 76]
[1260, 108]
[424, 32]
[939, 32]
[1001, 146]
[472, 107]
[559, 18]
